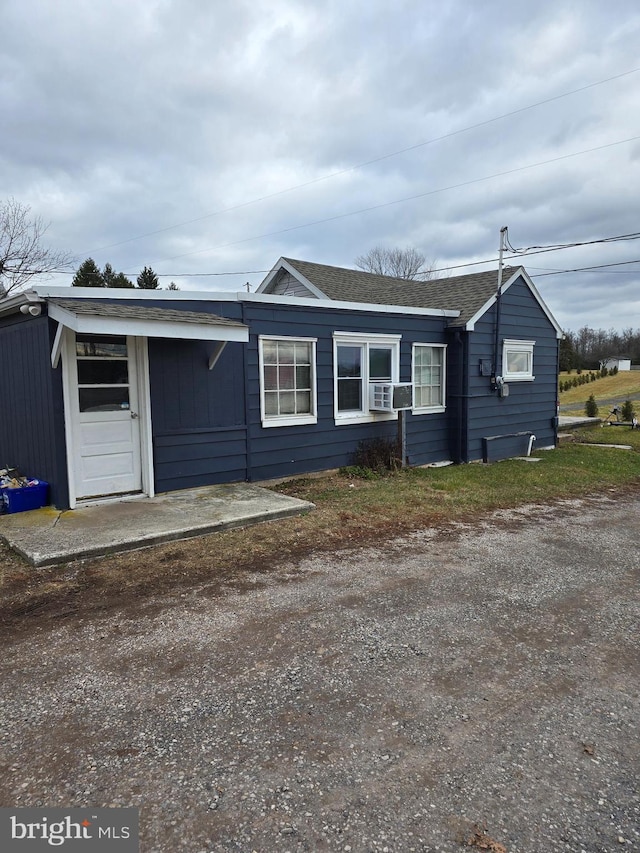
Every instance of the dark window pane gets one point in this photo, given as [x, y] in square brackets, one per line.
[349, 395]
[271, 378]
[286, 376]
[379, 363]
[102, 372]
[349, 361]
[106, 346]
[104, 399]
[303, 377]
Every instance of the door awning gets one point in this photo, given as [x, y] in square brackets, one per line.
[108, 318]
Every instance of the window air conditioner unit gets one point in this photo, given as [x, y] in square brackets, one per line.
[387, 397]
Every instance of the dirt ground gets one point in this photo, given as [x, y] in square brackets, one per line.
[474, 685]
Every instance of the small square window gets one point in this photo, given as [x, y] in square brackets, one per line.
[517, 360]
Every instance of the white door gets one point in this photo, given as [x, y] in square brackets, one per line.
[104, 407]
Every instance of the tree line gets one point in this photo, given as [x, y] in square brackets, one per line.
[89, 274]
[586, 348]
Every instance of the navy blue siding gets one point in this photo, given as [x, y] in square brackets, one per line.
[32, 421]
[284, 451]
[530, 406]
[206, 425]
[198, 416]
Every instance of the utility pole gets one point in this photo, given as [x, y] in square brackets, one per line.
[503, 240]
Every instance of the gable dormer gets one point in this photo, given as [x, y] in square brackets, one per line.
[285, 284]
[285, 280]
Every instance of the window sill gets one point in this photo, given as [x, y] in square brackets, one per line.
[365, 418]
[508, 379]
[295, 420]
[431, 410]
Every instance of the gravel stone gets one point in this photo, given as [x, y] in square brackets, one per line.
[475, 684]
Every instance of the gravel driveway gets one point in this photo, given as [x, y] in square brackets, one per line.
[472, 686]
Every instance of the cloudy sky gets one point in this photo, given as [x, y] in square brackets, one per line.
[214, 137]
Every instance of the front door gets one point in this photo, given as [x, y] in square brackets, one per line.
[104, 408]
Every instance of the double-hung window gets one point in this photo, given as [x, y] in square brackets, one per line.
[287, 381]
[360, 359]
[517, 361]
[429, 378]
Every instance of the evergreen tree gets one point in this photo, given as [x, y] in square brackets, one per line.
[88, 275]
[108, 275]
[591, 407]
[121, 280]
[627, 410]
[148, 280]
[173, 286]
[115, 279]
[568, 356]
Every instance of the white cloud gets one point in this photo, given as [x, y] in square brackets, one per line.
[127, 118]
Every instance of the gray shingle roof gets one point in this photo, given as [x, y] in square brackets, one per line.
[122, 311]
[464, 293]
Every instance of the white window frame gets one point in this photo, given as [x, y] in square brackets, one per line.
[517, 347]
[441, 407]
[288, 420]
[365, 340]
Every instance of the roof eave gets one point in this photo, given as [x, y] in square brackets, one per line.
[147, 328]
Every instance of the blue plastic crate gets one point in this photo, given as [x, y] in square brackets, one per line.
[25, 497]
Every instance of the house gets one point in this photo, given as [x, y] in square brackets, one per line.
[622, 362]
[112, 392]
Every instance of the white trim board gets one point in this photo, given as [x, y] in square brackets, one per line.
[520, 272]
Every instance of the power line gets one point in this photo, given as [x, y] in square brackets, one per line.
[366, 162]
[401, 200]
[543, 250]
[634, 235]
[592, 269]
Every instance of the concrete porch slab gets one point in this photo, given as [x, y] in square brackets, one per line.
[49, 536]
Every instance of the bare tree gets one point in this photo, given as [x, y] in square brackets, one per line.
[406, 263]
[21, 254]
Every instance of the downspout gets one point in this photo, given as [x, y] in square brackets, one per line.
[466, 398]
[496, 345]
[461, 389]
[556, 420]
[245, 375]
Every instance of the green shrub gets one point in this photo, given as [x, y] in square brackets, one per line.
[627, 410]
[614, 370]
[591, 407]
[360, 472]
[604, 372]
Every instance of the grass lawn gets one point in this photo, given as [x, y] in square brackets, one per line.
[625, 385]
[350, 512]
[607, 434]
